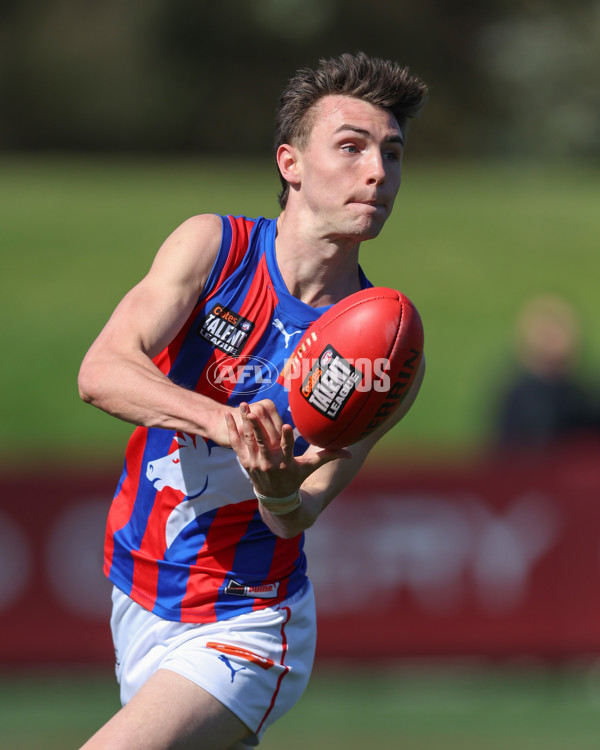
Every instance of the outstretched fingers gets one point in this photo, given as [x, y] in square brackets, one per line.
[266, 423]
[255, 433]
[265, 448]
[287, 442]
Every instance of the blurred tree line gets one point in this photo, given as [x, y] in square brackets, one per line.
[507, 77]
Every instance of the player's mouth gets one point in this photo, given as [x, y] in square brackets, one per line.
[375, 204]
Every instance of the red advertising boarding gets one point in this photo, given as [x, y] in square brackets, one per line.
[497, 558]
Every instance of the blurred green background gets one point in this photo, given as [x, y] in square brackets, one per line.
[469, 243]
[118, 121]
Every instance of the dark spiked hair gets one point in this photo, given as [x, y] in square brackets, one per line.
[382, 83]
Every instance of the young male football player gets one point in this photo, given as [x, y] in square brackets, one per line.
[213, 614]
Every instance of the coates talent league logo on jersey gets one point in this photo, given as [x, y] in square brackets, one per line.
[226, 329]
[330, 383]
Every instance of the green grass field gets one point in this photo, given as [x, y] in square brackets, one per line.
[392, 709]
[468, 243]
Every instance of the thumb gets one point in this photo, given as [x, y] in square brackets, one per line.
[322, 457]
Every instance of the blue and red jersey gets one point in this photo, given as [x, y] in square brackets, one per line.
[185, 538]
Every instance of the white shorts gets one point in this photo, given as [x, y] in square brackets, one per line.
[257, 664]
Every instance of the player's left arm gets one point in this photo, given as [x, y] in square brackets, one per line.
[320, 475]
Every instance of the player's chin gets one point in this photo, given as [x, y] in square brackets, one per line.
[369, 224]
[368, 230]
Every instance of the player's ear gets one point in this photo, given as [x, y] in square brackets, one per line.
[288, 161]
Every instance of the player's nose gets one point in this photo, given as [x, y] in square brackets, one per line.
[375, 173]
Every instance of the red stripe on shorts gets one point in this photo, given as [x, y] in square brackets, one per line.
[284, 648]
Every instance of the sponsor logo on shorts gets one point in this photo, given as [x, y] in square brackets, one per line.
[225, 329]
[330, 382]
[230, 666]
[265, 591]
[241, 653]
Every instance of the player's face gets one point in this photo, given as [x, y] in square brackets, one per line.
[350, 168]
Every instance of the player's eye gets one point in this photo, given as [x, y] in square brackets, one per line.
[393, 155]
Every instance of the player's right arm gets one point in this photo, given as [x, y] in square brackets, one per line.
[117, 374]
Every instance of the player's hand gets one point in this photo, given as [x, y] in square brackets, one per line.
[265, 448]
[219, 431]
[217, 424]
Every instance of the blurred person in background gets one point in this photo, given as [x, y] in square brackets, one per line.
[546, 401]
[213, 614]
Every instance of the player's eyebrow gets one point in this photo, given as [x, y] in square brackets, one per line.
[395, 138]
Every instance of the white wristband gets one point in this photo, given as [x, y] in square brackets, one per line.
[280, 506]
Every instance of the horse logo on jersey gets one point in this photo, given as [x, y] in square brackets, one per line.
[226, 330]
[195, 469]
[177, 471]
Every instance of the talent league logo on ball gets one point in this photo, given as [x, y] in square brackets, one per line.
[226, 330]
[330, 383]
[245, 375]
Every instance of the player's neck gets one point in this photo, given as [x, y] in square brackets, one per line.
[315, 269]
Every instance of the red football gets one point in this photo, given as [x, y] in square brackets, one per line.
[354, 366]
